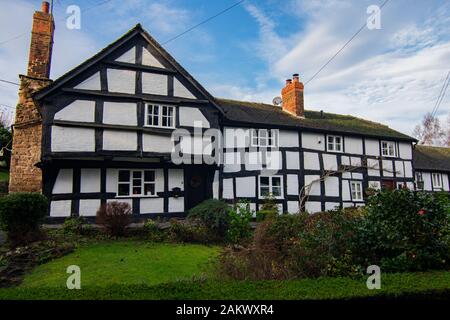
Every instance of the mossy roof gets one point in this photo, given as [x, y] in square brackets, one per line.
[431, 158]
[266, 114]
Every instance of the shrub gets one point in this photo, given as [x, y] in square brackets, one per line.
[268, 209]
[115, 217]
[240, 229]
[74, 225]
[405, 231]
[214, 214]
[4, 187]
[153, 231]
[323, 245]
[295, 246]
[21, 215]
[190, 232]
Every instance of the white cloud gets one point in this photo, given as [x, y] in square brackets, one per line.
[392, 75]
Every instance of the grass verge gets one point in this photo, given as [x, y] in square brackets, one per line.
[403, 285]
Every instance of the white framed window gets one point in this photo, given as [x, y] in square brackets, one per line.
[437, 180]
[357, 190]
[136, 183]
[334, 143]
[264, 137]
[419, 181]
[159, 116]
[388, 149]
[271, 185]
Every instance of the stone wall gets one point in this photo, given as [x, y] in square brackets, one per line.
[27, 139]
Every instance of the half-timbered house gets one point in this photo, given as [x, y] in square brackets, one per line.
[115, 128]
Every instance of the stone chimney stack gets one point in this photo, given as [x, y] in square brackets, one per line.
[25, 176]
[292, 96]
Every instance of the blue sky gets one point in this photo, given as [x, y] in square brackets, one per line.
[392, 75]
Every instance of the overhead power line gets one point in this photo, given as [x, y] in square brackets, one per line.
[203, 22]
[9, 82]
[441, 94]
[61, 19]
[342, 48]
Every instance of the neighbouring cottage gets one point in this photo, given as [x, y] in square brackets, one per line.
[432, 168]
[131, 124]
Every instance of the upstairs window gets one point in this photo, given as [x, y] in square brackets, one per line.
[136, 183]
[270, 186]
[264, 138]
[334, 143]
[437, 180]
[159, 116]
[357, 190]
[388, 149]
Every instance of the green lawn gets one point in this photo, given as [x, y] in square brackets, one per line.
[4, 175]
[128, 269]
[125, 262]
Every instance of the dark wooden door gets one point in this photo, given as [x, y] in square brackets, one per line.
[198, 185]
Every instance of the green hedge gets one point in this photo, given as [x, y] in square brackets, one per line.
[407, 285]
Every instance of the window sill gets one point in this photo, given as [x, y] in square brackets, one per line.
[137, 196]
[159, 127]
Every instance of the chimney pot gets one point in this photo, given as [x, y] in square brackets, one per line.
[296, 78]
[45, 7]
[288, 81]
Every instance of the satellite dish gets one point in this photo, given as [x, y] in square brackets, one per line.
[277, 101]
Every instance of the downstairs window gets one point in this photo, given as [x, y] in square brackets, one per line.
[136, 183]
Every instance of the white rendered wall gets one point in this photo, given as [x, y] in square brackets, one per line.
[90, 180]
[149, 60]
[89, 207]
[313, 141]
[65, 139]
[353, 145]
[192, 117]
[123, 81]
[157, 143]
[79, 110]
[60, 208]
[372, 147]
[153, 83]
[179, 90]
[288, 138]
[245, 187]
[122, 113]
[119, 140]
[91, 83]
[64, 182]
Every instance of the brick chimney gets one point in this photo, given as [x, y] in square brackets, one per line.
[292, 96]
[41, 43]
[27, 133]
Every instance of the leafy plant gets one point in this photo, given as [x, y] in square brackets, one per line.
[21, 215]
[74, 225]
[240, 217]
[115, 217]
[214, 214]
[268, 210]
[405, 230]
[188, 232]
[153, 231]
